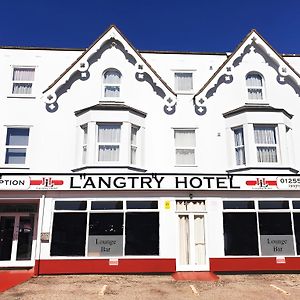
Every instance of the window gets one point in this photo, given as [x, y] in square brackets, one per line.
[84, 143]
[16, 145]
[185, 146]
[111, 83]
[105, 228]
[23, 78]
[254, 84]
[263, 228]
[266, 143]
[184, 81]
[133, 149]
[239, 146]
[109, 136]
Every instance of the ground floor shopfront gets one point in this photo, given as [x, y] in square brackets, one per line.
[61, 231]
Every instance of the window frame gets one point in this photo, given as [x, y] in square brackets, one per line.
[237, 148]
[134, 144]
[31, 82]
[7, 146]
[184, 91]
[257, 210]
[193, 148]
[124, 210]
[268, 145]
[113, 144]
[260, 88]
[111, 85]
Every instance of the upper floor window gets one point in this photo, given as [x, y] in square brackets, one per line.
[185, 144]
[84, 143]
[134, 144]
[266, 143]
[23, 78]
[109, 138]
[16, 145]
[254, 82]
[112, 83]
[239, 146]
[184, 81]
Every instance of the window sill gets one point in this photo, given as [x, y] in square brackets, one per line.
[130, 168]
[186, 166]
[184, 92]
[21, 97]
[14, 167]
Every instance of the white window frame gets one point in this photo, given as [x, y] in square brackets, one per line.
[6, 147]
[134, 144]
[241, 147]
[113, 144]
[85, 135]
[268, 145]
[193, 148]
[23, 95]
[260, 88]
[113, 85]
[184, 91]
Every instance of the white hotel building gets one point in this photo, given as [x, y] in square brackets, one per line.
[115, 160]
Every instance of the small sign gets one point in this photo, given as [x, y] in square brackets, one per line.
[277, 245]
[105, 245]
[45, 237]
[167, 204]
[280, 260]
[113, 262]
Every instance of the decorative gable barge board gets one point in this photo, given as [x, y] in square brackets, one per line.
[226, 77]
[81, 72]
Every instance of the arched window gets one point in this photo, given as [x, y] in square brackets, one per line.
[112, 83]
[254, 82]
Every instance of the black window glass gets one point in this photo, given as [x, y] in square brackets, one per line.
[273, 204]
[296, 204]
[238, 204]
[240, 234]
[106, 224]
[142, 234]
[142, 204]
[18, 207]
[107, 205]
[68, 234]
[297, 231]
[275, 223]
[70, 205]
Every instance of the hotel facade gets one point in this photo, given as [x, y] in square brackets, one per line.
[115, 160]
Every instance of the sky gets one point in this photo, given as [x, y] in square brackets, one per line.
[176, 25]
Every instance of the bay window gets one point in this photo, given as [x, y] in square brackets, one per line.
[239, 146]
[266, 143]
[109, 137]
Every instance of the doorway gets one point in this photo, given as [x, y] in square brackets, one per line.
[192, 252]
[17, 239]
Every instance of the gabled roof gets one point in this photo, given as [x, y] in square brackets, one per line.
[250, 38]
[87, 51]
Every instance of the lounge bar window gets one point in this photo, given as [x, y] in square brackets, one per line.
[268, 228]
[105, 228]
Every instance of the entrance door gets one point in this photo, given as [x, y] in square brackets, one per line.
[16, 239]
[192, 254]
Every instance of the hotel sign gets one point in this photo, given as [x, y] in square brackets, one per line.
[135, 181]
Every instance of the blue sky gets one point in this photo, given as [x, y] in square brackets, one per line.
[185, 25]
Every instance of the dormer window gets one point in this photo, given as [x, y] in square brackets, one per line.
[111, 83]
[254, 83]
